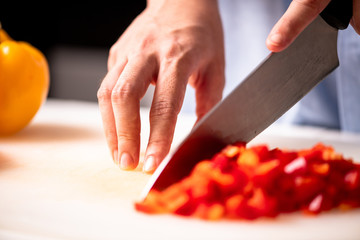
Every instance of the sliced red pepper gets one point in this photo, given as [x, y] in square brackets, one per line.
[249, 183]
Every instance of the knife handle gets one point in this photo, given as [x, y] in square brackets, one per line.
[338, 13]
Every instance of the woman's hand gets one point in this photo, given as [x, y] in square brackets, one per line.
[170, 44]
[299, 15]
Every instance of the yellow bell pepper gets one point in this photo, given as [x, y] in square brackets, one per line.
[24, 83]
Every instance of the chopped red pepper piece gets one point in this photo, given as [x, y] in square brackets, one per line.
[249, 183]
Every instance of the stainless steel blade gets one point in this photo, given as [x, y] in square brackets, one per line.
[265, 95]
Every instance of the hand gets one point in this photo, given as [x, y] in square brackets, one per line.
[299, 15]
[170, 44]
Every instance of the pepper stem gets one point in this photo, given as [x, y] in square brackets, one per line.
[3, 35]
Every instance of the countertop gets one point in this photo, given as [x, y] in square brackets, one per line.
[58, 181]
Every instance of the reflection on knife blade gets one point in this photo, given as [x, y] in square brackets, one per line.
[265, 95]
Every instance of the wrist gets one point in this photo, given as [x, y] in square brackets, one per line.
[186, 5]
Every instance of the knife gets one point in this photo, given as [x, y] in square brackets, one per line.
[280, 81]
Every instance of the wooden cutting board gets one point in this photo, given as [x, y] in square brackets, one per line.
[57, 181]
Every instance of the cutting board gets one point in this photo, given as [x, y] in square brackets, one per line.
[57, 181]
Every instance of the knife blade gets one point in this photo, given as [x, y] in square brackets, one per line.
[280, 81]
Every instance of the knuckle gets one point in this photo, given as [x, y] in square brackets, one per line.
[143, 48]
[112, 50]
[112, 57]
[123, 92]
[177, 52]
[165, 109]
[140, 54]
[172, 50]
[161, 141]
[104, 94]
[146, 43]
[126, 137]
[134, 55]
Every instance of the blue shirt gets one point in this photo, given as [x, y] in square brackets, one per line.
[334, 103]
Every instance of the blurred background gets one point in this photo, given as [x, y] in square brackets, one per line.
[75, 39]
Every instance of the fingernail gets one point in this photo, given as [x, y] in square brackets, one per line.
[150, 165]
[126, 161]
[116, 157]
[277, 39]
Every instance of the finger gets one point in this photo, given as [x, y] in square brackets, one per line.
[209, 89]
[105, 106]
[168, 97]
[355, 21]
[129, 89]
[299, 15]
